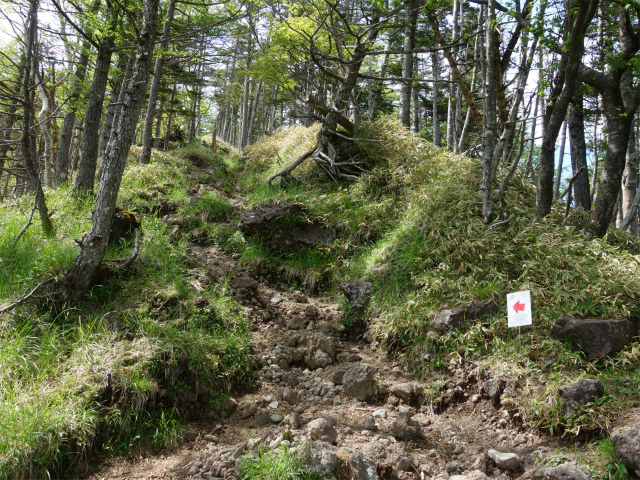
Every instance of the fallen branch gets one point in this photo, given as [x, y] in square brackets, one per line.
[286, 171]
[25, 297]
[24, 229]
[493, 225]
[136, 250]
[568, 189]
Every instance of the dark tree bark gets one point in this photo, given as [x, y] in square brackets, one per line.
[620, 101]
[437, 133]
[91, 139]
[147, 136]
[28, 140]
[490, 130]
[579, 16]
[113, 100]
[411, 17]
[630, 184]
[578, 146]
[66, 134]
[94, 243]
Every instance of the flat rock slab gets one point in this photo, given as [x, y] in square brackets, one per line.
[596, 338]
[462, 316]
[285, 227]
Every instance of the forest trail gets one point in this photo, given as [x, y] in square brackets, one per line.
[395, 430]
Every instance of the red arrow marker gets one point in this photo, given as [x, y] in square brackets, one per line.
[518, 307]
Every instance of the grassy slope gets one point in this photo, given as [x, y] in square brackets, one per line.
[133, 330]
[412, 226]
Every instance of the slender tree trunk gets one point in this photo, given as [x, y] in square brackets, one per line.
[113, 100]
[253, 114]
[167, 133]
[578, 148]
[90, 140]
[528, 170]
[437, 133]
[28, 141]
[563, 143]
[94, 243]
[378, 87]
[415, 91]
[489, 117]
[411, 16]
[147, 136]
[630, 182]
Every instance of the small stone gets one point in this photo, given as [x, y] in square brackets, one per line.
[453, 466]
[323, 429]
[370, 424]
[381, 413]
[506, 461]
[261, 419]
[277, 298]
[276, 418]
[273, 405]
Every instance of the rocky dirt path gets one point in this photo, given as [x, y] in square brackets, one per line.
[359, 415]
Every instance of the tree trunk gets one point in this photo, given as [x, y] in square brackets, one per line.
[113, 100]
[28, 141]
[378, 87]
[94, 243]
[415, 97]
[147, 136]
[563, 144]
[619, 127]
[489, 117]
[630, 182]
[437, 133]
[578, 146]
[578, 19]
[90, 139]
[411, 17]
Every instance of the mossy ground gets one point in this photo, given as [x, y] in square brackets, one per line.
[83, 379]
[412, 226]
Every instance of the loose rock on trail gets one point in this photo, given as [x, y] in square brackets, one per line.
[364, 414]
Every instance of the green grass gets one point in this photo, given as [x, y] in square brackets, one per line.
[281, 464]
[102, 376]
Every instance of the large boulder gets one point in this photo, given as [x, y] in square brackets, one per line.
[285, 227]
[358, 381]
[626, 439]
[453, 318]
[580, 393]
[596, 338]
[358, 293]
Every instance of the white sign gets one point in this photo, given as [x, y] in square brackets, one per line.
[519, 308]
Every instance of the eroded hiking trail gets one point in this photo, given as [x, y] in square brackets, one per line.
[365, 416]
[351, 410]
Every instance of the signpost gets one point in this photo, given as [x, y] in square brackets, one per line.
[519, 309]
